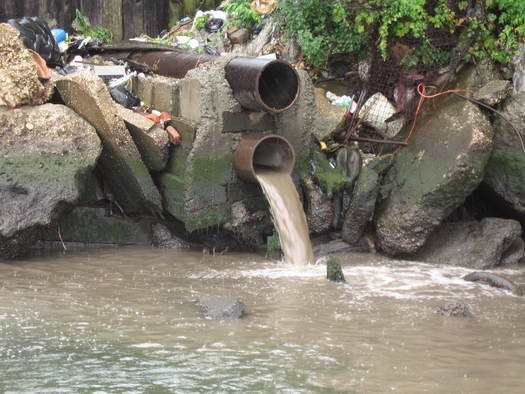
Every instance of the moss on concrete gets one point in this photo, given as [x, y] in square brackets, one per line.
[196, 194]
[330, 179]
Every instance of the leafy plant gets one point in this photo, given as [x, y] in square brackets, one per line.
[241, 15]
[201, 21]
[96, 32]
[493, 28]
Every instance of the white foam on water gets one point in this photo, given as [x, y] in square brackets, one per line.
[147, 345]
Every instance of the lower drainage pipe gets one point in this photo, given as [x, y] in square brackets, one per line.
[262, 152]
[258, 84]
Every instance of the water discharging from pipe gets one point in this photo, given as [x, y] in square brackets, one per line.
[269, 160]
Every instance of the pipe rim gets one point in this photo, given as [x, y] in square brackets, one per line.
[258, 80]
[245, 153]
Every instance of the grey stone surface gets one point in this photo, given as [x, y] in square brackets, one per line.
[494, 92]
[222, 308]
[495, 280]
[518, 79]
[19, 82]
[47, 154]
[320, 209]
[327, 117]
[362, 206]
[151, 141]
[163, 238]
[120, 163]
[479, 245]
[88, 225]
[505, 172]
[443, 164]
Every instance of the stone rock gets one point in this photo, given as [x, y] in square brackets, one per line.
[505, 172]
[455, 309]
[518, 79]
[362, 206]
[319, 208]
[478, 245]
[334, 272]
[47, 154]
[120, 163]
[494, 280]
[87, 225]
[494, 92]
[240, 36]
[256, 47]
[19, 83]
[327, 117]
[222, 308]
[151, 141]
[163, 238]
[443, 164]
[339, 246]
[291, 52]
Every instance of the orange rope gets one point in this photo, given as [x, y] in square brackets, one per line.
[421, 89]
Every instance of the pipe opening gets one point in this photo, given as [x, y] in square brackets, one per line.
[273, 154]
[257, 153]
[278, 86]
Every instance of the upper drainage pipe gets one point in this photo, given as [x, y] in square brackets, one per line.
[258, 84]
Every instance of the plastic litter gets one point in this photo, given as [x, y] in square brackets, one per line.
[59, 35]
[213, 25]
[345, 101]
[124, 97]
[35, 35]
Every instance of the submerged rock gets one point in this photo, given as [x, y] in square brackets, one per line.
[46, 157]
[222, 308]
[455, 309]
[362, 206]
[443, 164]
[334, 272]
[495, 281]
[481, 245]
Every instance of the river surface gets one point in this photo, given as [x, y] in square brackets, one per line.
[123, 320]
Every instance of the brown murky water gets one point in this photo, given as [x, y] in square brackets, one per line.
[288, 215]
[123, 320]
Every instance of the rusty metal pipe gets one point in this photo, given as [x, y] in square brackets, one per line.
[173, 64]
[258, 84]
[258, 152]
[263, 84]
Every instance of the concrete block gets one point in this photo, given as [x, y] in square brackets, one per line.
[246, 121]
[160, 93]
[120, 163]
[152, 141]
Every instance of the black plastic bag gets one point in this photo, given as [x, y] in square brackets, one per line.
[35, 35]
[124, 97]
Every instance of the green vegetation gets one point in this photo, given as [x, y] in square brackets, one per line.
[200, 22]
[86, 30]
[241, 15]
[330, 179]
[491, 28]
